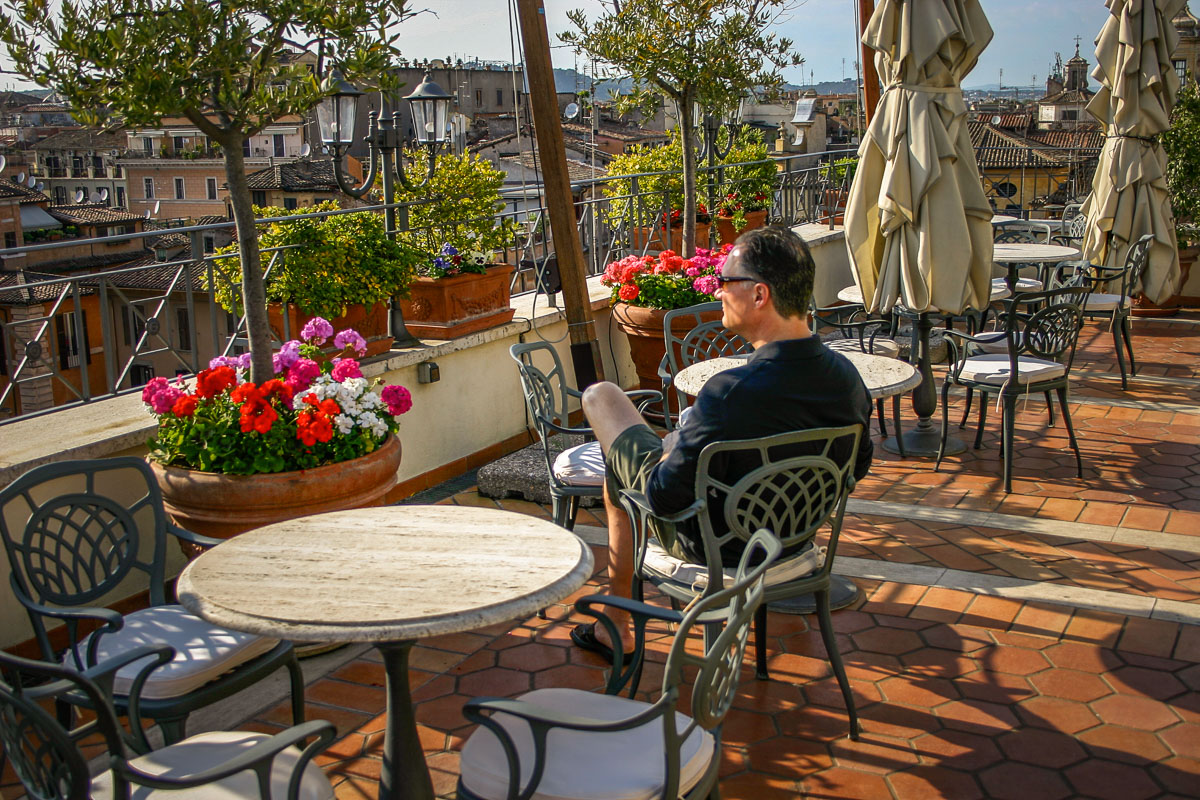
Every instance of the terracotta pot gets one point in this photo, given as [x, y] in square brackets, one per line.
[371, 322]
[644, 327]
[222, 506]
[1144, 308]
[727, 234]
[670, 238]
[447, 308]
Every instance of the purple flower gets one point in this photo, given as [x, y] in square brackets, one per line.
[153, 387]
[223, 361]
[397, 399]
[692, 271]
[706, 284]
[316, 331]
[350, 337]
[164, 398]
[288, 354]
[344, 368]
[449, 250]
[302, 374]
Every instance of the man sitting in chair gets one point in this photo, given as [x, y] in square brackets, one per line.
[791, 382]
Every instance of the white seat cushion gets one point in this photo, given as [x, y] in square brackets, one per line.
[1022, 284]
[581, 465]
[1099, 301]
[203, 651]
[994, 369]
[879, 347]
[585, 765]
[664, 565]
[207, 750]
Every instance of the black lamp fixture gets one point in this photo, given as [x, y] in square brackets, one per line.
[711, 125]
[336, 115]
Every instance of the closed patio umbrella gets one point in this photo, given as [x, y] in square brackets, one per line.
[1138, 85]
[918, 225]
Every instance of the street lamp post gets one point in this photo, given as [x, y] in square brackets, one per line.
[336, 116]
[711, 126]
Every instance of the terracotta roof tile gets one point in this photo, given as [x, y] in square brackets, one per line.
[93, 215]
[84, 139]
[295, 176]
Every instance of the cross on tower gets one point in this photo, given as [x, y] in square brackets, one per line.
[1077, 38]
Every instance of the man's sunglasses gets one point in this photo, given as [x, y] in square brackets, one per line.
[724, 279]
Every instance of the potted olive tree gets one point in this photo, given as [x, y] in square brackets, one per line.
[1182, 145]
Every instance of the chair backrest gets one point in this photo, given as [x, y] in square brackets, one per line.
[1136, 259]
[718, 669]
[545, 392]
[44, 754]
[1036, 232]
[679, 325]
[1075, 226]
[802, 480]
[1049, 333]
[70, 543]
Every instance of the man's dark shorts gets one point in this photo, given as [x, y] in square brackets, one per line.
[630, 459]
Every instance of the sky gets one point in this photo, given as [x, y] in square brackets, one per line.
[1027, 35]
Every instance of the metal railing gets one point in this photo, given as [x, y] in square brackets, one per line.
[1021, 180]
[67, 340]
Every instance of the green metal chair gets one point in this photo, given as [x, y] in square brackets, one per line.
[1037, 358]
[569, 743]
[702, 340]
[45, 753]
[576, 472]
[1117, 305]
[792, 484]
[71, 547]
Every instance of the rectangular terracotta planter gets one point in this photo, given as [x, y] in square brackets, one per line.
[371, 322]
[447, 308]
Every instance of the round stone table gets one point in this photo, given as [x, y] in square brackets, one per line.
[388, 576]
[1004, 219]
[882, 376]
[1014, 255]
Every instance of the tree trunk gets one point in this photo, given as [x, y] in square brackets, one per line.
[254, 296]
[689, 177]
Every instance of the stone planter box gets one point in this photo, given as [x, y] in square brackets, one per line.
[447, 308]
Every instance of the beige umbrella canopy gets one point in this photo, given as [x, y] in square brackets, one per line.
[918, 225]
[1129, 191]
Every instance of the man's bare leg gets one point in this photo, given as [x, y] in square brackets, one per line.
[610, 413]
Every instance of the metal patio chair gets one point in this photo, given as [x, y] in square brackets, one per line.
[703, 339]
[70, 547]
[569, 743]
[1117, 306]
[793, 483]
[578, 471]
[46, 757]
[1039, 350]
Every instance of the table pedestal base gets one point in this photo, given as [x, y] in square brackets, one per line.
[404, 772]
[924, 442]
[842, 592]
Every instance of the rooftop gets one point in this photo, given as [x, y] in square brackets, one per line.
[1040, 644]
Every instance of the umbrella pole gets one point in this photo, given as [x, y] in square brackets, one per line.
[925, 438]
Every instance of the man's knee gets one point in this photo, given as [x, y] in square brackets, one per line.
[602, 397]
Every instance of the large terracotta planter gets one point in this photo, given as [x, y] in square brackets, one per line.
[222, 506]
[727, 234]
[447, 308]
[644, 327]
[666, 238]
[371, 322]
[1144, 308]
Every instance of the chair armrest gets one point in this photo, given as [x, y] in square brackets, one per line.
[554, 426]
[191, 537]
[532, 712]
[109, 620]
[104, 673]
[257, 758]
[642, 504]
[634, 608]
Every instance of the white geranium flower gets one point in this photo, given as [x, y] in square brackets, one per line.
[345, 424]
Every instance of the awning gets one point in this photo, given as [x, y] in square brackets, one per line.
[35, 218]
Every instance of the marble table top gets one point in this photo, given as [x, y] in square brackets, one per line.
[1033, 252]
[882, 376]
[1004, 219]
[385, 574]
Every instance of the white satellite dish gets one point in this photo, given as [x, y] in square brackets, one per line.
[147, 213]
[79, 195]
[103, 195]
[996, 120]
[305, 151]
[20, 177]
[157, 207]
[3, 162]
[31, 181]
[40, 186]
[94, 197]
[571, 111]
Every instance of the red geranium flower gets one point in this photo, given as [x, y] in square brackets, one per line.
[211, 382]
[628, 292]
[185, 406]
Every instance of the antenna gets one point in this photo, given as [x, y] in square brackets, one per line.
[571, 111]
[305, 150]
[79, 195]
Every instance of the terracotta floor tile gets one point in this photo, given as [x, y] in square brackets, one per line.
[1042, 748]
[1153, 637]
[1107, 779]
[1128, 711]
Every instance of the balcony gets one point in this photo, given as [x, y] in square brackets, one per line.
[1047, 639]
